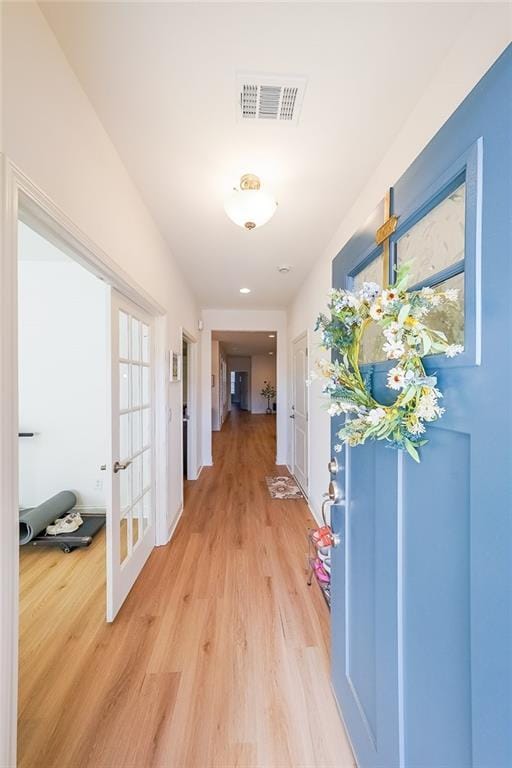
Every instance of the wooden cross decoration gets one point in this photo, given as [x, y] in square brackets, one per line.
[383, 234]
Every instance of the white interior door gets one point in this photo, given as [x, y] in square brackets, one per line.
[130, 518]
[299, 413]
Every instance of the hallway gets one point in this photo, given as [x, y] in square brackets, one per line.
[219, 656]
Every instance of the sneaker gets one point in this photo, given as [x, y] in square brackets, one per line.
[67, 524]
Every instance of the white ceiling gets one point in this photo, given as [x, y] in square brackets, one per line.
[162, 79]
[244, 343]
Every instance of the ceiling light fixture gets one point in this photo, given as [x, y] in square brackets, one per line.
[250, 206]
[245, 290]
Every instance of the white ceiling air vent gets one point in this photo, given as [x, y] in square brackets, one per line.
[265, 97]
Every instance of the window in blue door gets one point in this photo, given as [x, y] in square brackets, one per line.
[434, 247]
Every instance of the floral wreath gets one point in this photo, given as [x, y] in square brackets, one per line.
[401, 316]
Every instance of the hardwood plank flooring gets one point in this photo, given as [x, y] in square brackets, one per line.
[219, 657]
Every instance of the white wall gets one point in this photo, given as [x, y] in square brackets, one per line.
[480, 43]
[245, 320]
[51, 132]
[62, 375]
[263, 368]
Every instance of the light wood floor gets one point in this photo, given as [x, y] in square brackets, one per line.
[219, 657]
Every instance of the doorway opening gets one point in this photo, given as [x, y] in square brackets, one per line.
[190, 469]
[299, 412]
[63, 443]
[243, 374]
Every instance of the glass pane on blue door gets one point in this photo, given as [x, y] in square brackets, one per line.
[436, 241]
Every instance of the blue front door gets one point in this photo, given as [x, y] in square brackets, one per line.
[421, 582]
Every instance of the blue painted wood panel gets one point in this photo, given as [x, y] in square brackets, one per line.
[421, 593]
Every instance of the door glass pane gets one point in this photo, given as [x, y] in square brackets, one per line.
[145, 385]
[372, 273]
[146, 469]
[125, 487]
[373, 339]
[146, 509]
[135, 386]
[123, 335]
[437, 240]
[449, 317]
[136, 522]
[372, 342]
[145, 343]
[136, 432]
[135, 351]
[124, 386]
[124, 436]
[123, 539]
[146, 435]
[136, 477]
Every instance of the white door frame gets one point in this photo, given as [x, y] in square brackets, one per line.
[19, 195]
[304, 335]
[193, 401]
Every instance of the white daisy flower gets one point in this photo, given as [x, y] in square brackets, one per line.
[435, 299]
[452, 294]
[396, 378]
[393, 349]
[375, 415]
[416, 429]
[452, 350]
[428, 408]
[388, 296]
[376, 310]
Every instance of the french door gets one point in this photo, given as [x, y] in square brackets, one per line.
[421, 606]
[299, 413]
[130, 518]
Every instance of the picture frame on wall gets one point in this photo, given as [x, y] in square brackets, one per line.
[174, 366]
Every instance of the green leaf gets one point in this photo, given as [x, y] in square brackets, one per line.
[411, 450]
[404, 312]
[409, 395]
[427, 342]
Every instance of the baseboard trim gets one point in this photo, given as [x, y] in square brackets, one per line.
[314, 512]
[173, 527]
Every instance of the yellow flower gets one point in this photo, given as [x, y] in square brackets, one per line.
[410, 321]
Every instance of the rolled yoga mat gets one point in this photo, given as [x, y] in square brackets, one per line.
[33, 521]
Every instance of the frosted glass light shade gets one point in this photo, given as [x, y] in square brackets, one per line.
[250, 208]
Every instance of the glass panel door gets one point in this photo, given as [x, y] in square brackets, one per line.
[130, 526]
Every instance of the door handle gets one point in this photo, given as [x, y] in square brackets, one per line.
[118, 466]
[336, 538]
[332, 466]
[334, 493]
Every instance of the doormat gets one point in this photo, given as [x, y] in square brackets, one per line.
[283, 488]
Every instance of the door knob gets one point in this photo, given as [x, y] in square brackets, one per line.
[334, 493]
[332, 466]
[118, 466]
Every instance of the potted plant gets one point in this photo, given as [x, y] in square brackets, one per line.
[269, 392]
